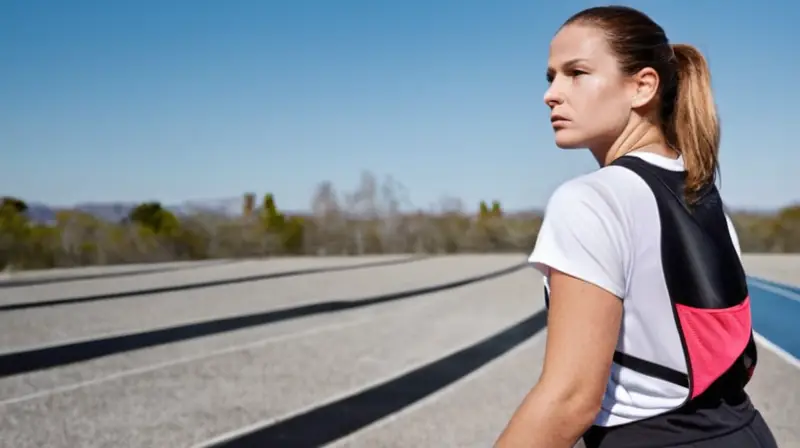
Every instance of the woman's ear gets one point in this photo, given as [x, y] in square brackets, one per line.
[646, 84]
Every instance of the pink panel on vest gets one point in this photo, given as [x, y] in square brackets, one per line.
[714, 339]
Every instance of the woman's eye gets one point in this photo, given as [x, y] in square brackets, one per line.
[571, 73]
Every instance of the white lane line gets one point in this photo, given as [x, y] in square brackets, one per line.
[781, 353]
[224, 437]
[450, 388]
[791, 295]
[184, 360]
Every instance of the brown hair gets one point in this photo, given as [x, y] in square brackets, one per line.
[688, 114]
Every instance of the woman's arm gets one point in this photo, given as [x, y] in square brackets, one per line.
[584, 246]
[583, 326]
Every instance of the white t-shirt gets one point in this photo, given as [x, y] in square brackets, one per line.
[604, 228]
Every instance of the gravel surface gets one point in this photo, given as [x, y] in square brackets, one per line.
[45, 326]
[188, 392]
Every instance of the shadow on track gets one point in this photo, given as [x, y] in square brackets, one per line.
[14, 363]
[21, 282]
[337, 419]
[190, 286]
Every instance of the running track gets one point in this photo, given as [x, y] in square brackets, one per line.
[341, 352]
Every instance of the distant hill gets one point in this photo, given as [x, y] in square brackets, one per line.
[116, 211]
[40, 212]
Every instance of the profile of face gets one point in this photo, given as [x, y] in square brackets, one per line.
[589, 97]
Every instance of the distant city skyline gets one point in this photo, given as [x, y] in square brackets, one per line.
[201, 100]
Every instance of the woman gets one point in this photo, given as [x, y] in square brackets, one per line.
[649, 335]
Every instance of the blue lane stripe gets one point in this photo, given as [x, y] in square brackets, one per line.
[776, 317]
[792, 288]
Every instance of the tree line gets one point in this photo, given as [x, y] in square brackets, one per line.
[371, 220]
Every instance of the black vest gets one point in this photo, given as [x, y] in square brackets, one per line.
[703, 272]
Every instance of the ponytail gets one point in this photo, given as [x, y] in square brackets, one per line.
[693, 125]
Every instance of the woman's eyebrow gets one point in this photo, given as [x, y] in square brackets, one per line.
[567, 65]
[573, 62]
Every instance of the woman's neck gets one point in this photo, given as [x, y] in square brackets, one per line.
[649, 139]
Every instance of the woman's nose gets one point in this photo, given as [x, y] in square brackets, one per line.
[552, 97]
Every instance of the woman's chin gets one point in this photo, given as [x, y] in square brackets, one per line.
[568, 140]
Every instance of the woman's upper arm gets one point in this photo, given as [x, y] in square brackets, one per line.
[585, 249]
[582, 331]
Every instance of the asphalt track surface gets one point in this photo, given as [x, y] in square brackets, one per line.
[27, 278]
[341, 352]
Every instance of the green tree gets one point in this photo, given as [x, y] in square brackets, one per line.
[14, 204]
[496, 209]
[289, 231]
[484, 210]
[273, 219]
[487, 213]
[152, 216]
[293, 235]
[15, 232]
[786, 229]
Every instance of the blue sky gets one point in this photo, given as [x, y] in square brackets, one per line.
[198, 99]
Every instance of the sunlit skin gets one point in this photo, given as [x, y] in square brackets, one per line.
[594, 104]
[596, 107]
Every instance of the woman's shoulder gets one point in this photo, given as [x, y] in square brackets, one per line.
[608, 190]
[589, 227]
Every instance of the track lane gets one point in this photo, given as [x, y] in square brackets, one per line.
[482, 404]
[19, 282]
[29, 329]
[159, 282]
[468, 413]
[507, 381]
[40, 276]
[185, 404]
[115, 360]
[775, 390]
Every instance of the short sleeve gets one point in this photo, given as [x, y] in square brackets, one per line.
[584, 234]
[734, 235]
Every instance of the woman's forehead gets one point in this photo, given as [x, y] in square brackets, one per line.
[577, 42]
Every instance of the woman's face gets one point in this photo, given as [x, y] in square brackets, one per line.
[589, 98]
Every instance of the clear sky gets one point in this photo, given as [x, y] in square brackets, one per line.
[198, 99]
